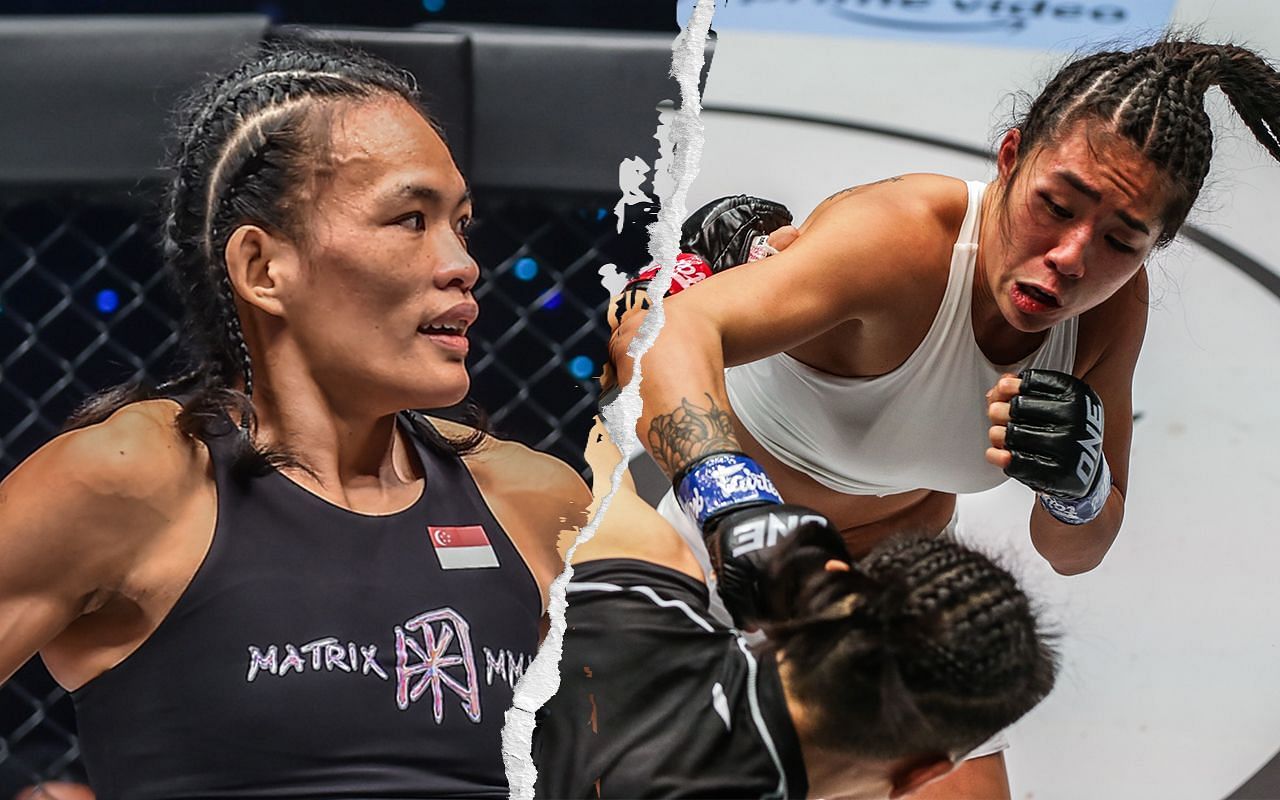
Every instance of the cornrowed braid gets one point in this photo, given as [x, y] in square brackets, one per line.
[939, 650]
[235, 337]
[1135, 118]
[1073, 85]
[1119, 89]
[246, 144]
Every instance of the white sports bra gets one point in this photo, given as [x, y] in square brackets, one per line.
[922, 426]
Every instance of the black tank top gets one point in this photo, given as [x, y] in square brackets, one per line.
[321, 653]
[658, 699]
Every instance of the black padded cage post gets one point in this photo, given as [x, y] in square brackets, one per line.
[539, 120]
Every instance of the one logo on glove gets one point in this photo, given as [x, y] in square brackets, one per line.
[1091, 448]
[754, 534]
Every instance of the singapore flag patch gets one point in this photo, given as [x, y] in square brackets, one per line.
[465, 547]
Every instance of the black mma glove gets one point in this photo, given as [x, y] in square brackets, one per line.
[723, 231]
[743, 520]
[742, 544]
[1055, 437]
[717, 236]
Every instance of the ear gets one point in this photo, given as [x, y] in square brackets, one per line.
[913, 775]
[1007, 156]
[836, 565]
[261, 266]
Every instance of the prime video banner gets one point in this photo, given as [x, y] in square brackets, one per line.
[1044, 24]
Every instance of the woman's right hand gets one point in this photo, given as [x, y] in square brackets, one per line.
[723, 227]
[728, 228]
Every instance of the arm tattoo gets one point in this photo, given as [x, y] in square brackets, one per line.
[894, 179]
[688, 433]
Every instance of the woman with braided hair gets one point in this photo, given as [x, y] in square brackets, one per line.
[265, 578]
[875, 678]
[937, 336]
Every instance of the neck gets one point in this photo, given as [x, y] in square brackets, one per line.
[999, 341]
[832, 774]
[838, 775]
[344, 446]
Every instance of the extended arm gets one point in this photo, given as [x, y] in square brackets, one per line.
[843, 266]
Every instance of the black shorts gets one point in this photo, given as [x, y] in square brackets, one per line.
[657, 699]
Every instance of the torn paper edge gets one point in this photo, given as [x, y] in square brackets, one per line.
[542, 678]
[631, 176]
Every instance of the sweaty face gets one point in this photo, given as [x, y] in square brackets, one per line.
[1080, 220]
[385, 300]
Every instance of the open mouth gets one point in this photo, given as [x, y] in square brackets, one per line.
[1039, 295]
[444, 329]
[450, 336]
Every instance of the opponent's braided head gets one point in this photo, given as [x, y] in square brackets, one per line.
[925, 647]
[251, 142]
[1153, 97]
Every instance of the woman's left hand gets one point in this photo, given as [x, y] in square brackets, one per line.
[998, 398]
[1047, 432]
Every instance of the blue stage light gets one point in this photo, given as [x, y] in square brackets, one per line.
[107, 301]
[434, 6]
[526, 269]
[582, 367]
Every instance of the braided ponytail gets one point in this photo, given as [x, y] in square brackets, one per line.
[925, 646]
[247, 143]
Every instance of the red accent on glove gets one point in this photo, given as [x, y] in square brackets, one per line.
[690, 269]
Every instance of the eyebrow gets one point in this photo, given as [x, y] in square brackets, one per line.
[429, 194]
[1093, 194]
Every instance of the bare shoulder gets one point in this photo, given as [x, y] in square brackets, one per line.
[916, 197]
[77, 514]
[536, 497]
[536, 490]
[880, 239]
[910, 221]
[138, 453]
[510, 466]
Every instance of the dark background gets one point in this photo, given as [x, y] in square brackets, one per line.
[68, 248]
[639, 15]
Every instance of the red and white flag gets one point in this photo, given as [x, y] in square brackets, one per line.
[465, 547]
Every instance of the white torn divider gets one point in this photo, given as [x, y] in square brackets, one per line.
[542, 678]
[612, 279]
[631, 175]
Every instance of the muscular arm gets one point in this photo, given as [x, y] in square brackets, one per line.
[844, 266]
[73, 519]
[1072, 549]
